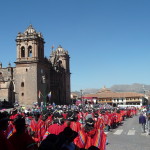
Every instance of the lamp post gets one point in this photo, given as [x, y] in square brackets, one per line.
[44, 96]
[81, 96]
[145, 101]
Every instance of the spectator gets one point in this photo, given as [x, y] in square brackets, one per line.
[142, 121]
[63, 141]
[4, 142]
[21, 140]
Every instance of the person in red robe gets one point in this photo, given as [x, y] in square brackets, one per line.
[80, 117]
[57, 126]
[10, 130]
[64, 114]
[90, 136]
[63, 141]
[72, 121]
[49, 120]
[99, 122]
[14, 114]
[34, 125]
[4, 142]
[42, 127]
[114, 120]
[21, 140]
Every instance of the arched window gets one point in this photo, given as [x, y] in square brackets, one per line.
[22, 84]
[30, 51]
[22, 51]
[1, 76]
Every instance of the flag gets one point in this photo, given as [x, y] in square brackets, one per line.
[39, 95]
[49, 94]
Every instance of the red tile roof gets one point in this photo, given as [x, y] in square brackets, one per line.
[106, 93]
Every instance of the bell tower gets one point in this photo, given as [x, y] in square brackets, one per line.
[30, 64]
[61, 62]
[30, 46]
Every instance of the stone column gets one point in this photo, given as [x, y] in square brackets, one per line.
[36, 50]
[33, 49]
[64, 62]
[18, 51]
[26, 50]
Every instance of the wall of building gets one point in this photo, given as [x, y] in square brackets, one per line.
[26, 83]
[4, 94]
[43, 81]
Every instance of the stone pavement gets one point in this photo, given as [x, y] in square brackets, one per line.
[129, 136]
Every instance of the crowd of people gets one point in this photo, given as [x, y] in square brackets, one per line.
[60, 127]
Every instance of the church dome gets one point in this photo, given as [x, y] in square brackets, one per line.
[60, 49]
[29, 33]
[30, 30]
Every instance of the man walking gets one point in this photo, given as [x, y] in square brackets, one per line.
[142, 121]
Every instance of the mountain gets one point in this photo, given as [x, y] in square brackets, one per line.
[136, 87]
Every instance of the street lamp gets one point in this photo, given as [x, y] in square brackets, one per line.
[44, 82]
[81, 96]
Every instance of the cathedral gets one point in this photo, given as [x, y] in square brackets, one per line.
[35, 78]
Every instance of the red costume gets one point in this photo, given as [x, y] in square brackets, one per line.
[54, 129]
[5, 143]
[92, 138]
[99, 123]
[41, 130]
[14, 116]
[10, 130]
[35, 127]
[75, 126]
[22, 141]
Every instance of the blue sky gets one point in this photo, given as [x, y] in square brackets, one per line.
[108, 40]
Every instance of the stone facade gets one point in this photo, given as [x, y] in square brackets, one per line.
[35, 75]
[6, 84]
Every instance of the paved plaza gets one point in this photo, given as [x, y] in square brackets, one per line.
[128, 136]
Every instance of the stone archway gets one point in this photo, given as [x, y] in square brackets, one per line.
[114, 105]
[11, 94]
